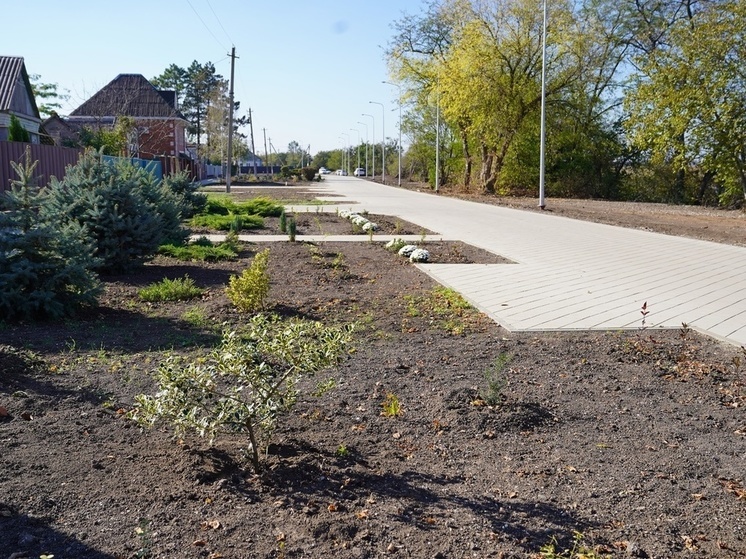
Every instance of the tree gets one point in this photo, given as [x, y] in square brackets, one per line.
[45, 265]
[48, 92]
[125, 212]
[16, 131]
[194, 87]
[689, 104]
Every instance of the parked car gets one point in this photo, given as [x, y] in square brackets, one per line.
[359, 172]
[324, 171]
[342, 172]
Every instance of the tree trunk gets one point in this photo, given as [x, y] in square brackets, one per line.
[486, 175]
[467, 159]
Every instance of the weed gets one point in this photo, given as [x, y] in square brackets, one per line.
[391, 406]
[196, 318]
[644, 312]
[248, 291]
[577, 551]
[319, 226]
[342, 451]
[179, 289]
[447, 309]
[144, 533]
[339, 262]
[496, 381]
[324, 387]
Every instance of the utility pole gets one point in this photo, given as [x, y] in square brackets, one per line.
[266, 158]
[253, 152]
[230, 124]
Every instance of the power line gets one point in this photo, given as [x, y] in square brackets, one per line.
[219, 23]
[208, 29]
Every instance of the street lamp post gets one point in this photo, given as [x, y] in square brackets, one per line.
[400, 148]
[542, 202]
[366, 146]
[358, 145]
[373, 159]
[347, 155]
[383, 142]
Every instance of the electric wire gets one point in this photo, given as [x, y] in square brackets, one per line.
[206, 27]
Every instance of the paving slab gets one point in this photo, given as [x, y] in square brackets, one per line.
[567, 274]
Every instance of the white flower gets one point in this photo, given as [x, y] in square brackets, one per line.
[345, 213]
[370, 226]
[419, 255]
[393, 242]
[407, 250]
[359, 220]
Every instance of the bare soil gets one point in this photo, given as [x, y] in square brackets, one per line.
[636, 440]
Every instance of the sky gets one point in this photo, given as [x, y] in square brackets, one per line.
[308, 69]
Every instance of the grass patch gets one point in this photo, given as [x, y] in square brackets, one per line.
[228, 222]
[446, 309]
[260, 206]
[202, 250]
[179, 289]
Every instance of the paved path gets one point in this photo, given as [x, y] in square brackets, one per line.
[568, 274]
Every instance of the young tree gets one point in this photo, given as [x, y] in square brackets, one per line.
[123, 210]
[45, 266]
[246, 383]
[16, 131]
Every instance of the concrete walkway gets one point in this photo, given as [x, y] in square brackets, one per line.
[567, 274]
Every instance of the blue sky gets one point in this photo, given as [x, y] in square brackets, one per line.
[307, 68]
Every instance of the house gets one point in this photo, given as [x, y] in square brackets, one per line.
[60, 131]
[17, 98]
[159, 129]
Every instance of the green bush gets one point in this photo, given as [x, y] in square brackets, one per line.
[190, 201]
[228, 222]
[46, 267]
[223, 205]
[203, 249]
[283, 222]
[243, 385]
[124, 211]
[249, 291]
[179, 289]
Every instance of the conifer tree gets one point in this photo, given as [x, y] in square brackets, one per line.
[45, 270]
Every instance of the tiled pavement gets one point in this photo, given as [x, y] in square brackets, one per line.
[568, 274]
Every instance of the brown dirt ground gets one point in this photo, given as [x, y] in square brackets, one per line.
[636, 440]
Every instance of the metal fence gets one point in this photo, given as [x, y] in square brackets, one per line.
[52, 161]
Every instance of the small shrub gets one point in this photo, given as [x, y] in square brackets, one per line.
[283, 222]
[201, 250]
[228, 222]
[291, 229]
[248, 292]
[245, 383]
[496, 381]
[180, 289]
